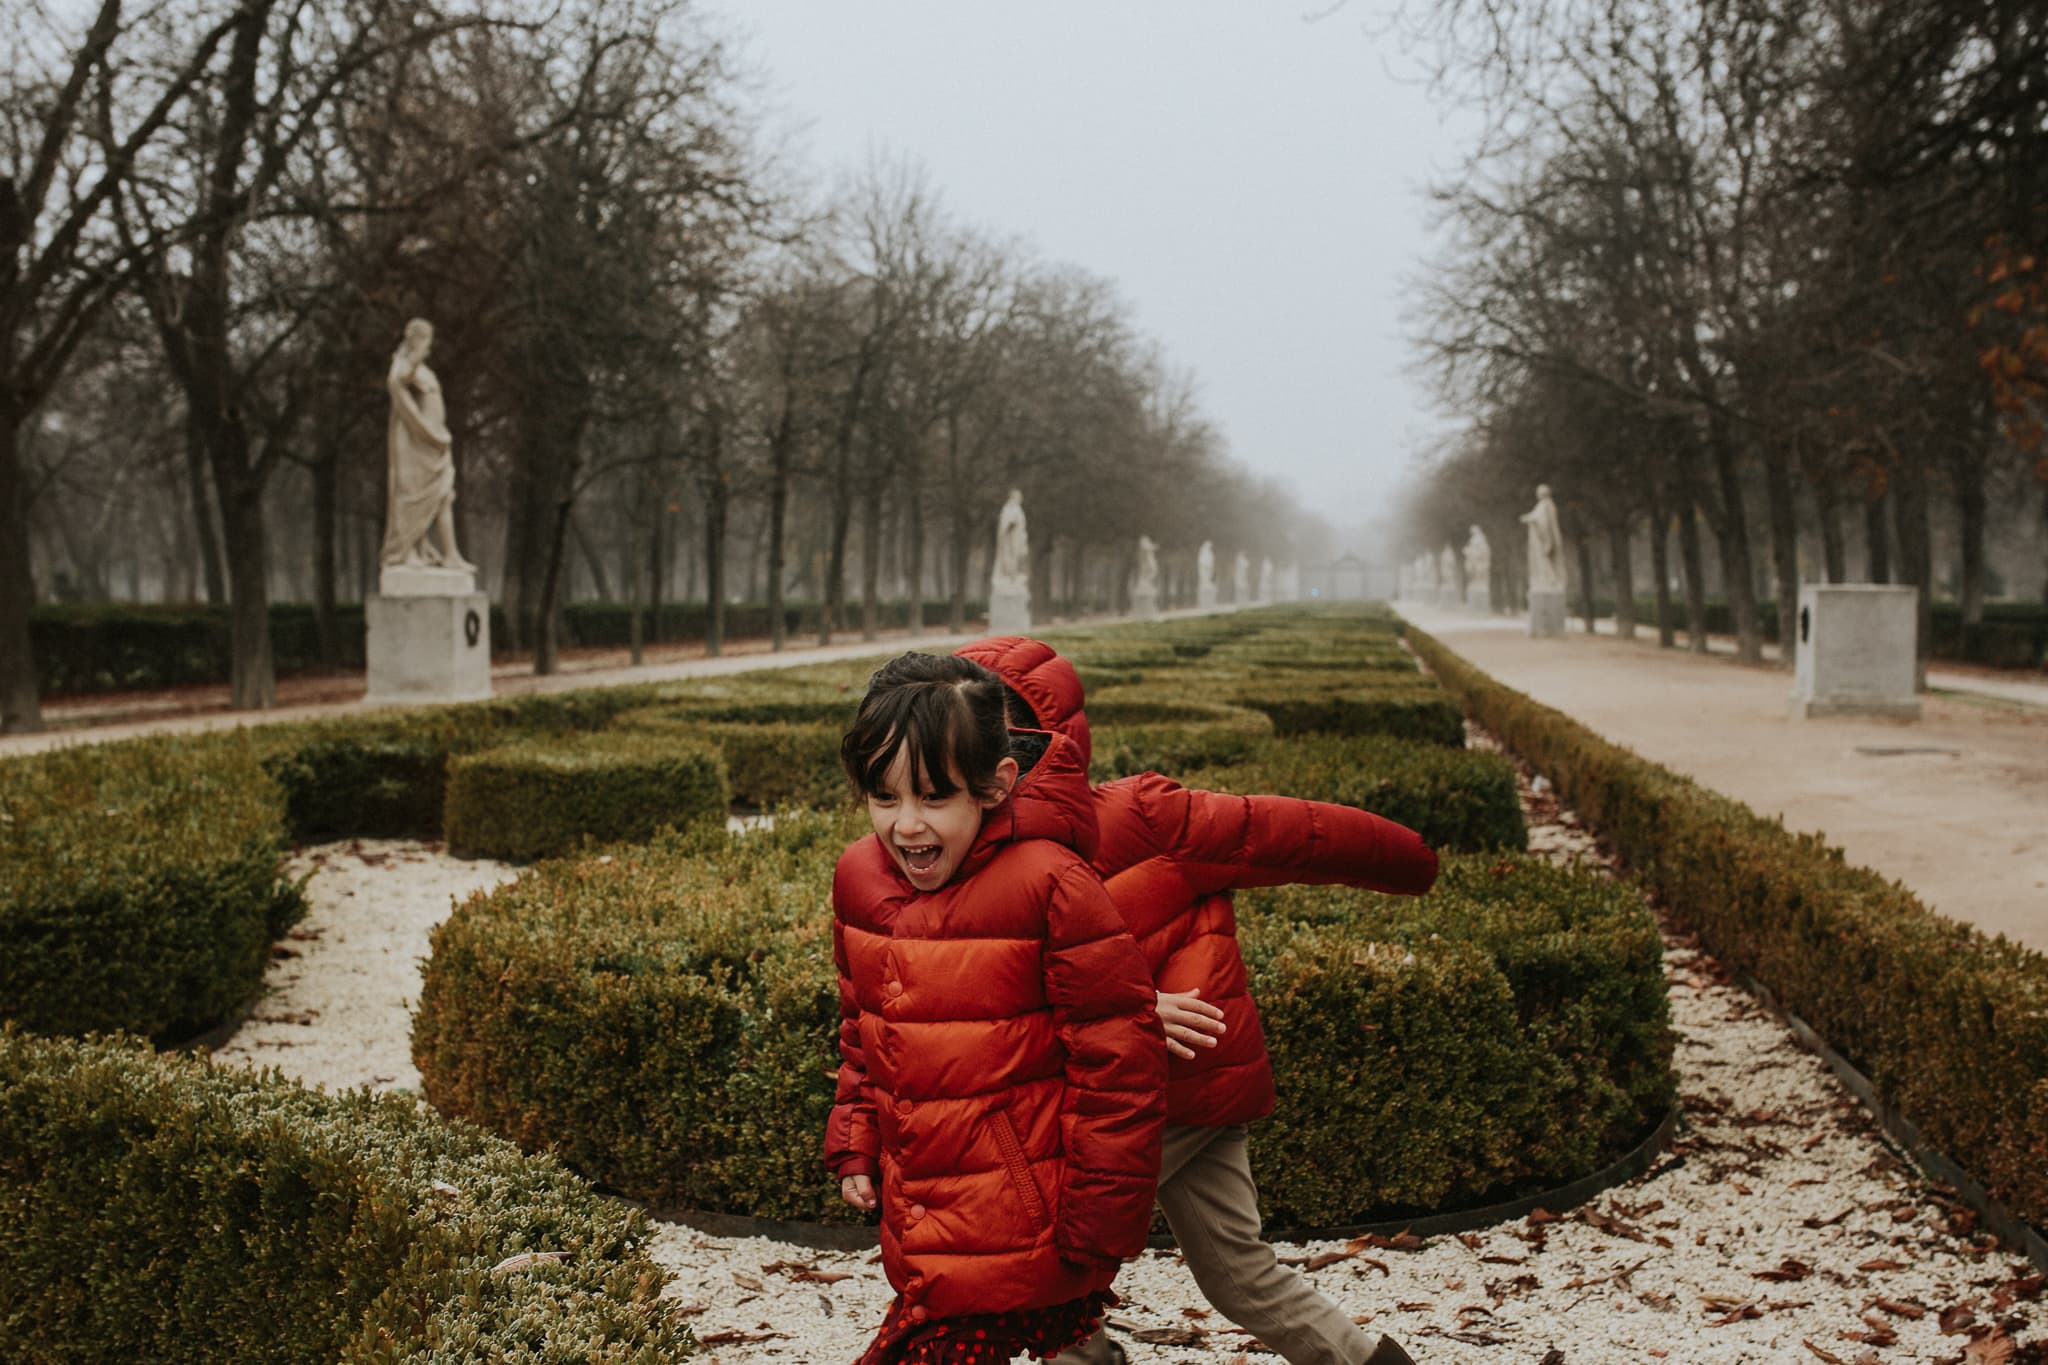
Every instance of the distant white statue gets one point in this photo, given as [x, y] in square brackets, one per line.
[1264, 591]
[1240, 579]
[1009, 587]
[1478, 557]
[1447, 576]
[419, 510]
[1013, 546]
[1546, 544]
[1145, 586]
[1205, 576]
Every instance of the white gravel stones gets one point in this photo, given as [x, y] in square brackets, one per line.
[336, 1009]
[1779, 1228]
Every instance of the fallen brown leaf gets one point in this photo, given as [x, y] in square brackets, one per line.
[1829, 1356]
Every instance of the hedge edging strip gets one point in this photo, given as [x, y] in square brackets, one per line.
[860, 1237]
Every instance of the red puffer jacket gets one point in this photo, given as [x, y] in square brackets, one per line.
[1170, 858]
[1002, 1065]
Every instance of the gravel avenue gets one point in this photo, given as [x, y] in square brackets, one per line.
[1778, 1227]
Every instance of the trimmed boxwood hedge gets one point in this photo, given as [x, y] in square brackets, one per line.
[140, 885]
[664, 1020]
[775, 764]
[546, 795]
[1950, 1026]
[154, 1207]
[1453, 798]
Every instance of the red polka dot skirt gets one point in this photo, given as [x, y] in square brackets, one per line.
[985, 1338]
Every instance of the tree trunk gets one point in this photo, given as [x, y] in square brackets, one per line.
[1693, 565]
[1916, 559]
[251, 675]
[1968, 476]
[21, 708]
[326, 516]
[1621, 553]
[546, 644]
[1660, 569]
[1877, 540]
[914, 534]
[1585, 557]
[778, 548]
[202, 508]
[1784, 519]
[715, 493]
[593, 560]
[871, 558]
[832, 598]
[1737, 571]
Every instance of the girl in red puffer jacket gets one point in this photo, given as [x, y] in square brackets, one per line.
[1002, 1065]
[1170, 858]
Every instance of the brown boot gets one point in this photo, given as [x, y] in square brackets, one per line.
[1389, 1352]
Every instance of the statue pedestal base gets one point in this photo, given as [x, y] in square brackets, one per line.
[1546, 612]
[428, 647]
[1009, 611]
[1205, 597]
[425, 580]
[1145, 604]
[1855, 656]
[1480, 602]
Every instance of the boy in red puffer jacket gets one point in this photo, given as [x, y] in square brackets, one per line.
[1170, 858]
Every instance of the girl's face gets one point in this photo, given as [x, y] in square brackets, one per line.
[925, 833]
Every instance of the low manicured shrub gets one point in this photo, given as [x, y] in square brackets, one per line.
[1132, 733]
[546, 795]
[664, 1019]
[1453, 798]
[379, 776]
[155, 1207]
[1407, 711]
[767, 765]
[1950, 1026]
[140, 885]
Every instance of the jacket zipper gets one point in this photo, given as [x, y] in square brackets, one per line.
[1020, 1170]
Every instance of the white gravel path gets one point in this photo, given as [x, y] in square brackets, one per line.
[1780, 1228]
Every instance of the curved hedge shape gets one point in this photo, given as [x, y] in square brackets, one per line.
[154, 1207]
[1454, 798]
[140, 886]
[1413, 709]
[1136, 730]
[543, 796]
[665, 1022]
[776, 764]
[1950, 1026]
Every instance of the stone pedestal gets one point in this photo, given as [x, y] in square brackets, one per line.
[1854, 651]
[429, 637]
[1009, 611]
[1205, 596]
[1546, 612]
[1145, 604]
[1479, 601]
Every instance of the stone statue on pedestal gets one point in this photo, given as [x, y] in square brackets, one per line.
[1264, 591]
[1478, 571]
[1546, 543]
[1546, 566]
[427, 630]
[419, 513]
[1447, 577]
[1240, 580]
[1205, 577]
[1145, 588]
[1009, 593]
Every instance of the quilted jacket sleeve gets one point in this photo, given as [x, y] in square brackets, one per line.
[853, 1144]
[1103, 1005]
[1223, 843]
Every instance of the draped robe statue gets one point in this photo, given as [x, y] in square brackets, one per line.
[1546, 544]
[419, 513]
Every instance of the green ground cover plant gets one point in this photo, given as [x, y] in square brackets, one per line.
[1951, 1026]
[156, 1208]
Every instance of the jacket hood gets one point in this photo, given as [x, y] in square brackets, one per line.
[1036, 672]
[1052, 800]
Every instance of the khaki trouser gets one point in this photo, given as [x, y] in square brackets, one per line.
[1207, 1195]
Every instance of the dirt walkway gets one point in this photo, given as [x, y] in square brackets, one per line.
[1954, 805]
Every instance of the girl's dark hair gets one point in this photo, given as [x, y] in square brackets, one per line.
[938, 707]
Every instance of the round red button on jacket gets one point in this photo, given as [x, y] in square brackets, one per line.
[919, 1313]
[894, 988]
[916, 1212]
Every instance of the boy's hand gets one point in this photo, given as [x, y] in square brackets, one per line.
[859, 1191]
[1190, 1021]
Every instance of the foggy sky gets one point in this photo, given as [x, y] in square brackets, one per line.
[1250, 179]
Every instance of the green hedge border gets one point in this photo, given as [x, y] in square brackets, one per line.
[1950, 1026]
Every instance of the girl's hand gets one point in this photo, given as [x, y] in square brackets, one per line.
[1191, 1022]
[859, 1191]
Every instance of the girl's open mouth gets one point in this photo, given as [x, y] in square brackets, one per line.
[922, 858]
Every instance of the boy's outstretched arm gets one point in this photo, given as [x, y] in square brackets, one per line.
[1222, 842]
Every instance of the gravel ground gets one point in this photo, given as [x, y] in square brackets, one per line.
[1779, 1227]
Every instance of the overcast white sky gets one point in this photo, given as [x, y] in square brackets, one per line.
[1251, 180]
